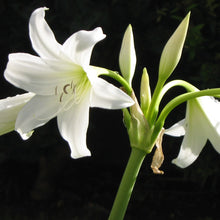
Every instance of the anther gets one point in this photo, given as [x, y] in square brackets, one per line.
[65, 88]
[61, 97]
[56, 90]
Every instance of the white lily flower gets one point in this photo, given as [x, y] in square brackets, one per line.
[64, 82]
[202, 123]
[9, 109]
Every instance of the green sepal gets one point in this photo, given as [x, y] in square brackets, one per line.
[137, 127]
[127, 55]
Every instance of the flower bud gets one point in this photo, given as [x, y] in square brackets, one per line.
[173, 49]
[127, 55]
[145, 92]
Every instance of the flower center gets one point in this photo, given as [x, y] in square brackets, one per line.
[72, 92]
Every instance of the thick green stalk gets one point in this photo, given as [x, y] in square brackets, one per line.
[127, 184]
[159, 92]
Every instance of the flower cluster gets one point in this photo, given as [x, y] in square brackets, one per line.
[145, 127]
[60, 82]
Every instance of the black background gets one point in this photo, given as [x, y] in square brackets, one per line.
[39, 180]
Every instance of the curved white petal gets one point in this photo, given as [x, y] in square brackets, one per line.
[177, 129]
[211, 108]
[42, 37]
[79, 46]
[38, 111]
[202, 122]
[39, 76]
[190, 149]
[9, 109]
[195, 137]
[214, 138]
[105, 95]
[73, 126]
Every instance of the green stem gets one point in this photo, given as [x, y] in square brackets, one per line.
[120, 79]
[160, 93]
[127, 184]
[179, 100]
[152, 112]
[189, 87]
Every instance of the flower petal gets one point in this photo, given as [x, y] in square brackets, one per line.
[177, 129]
[39, 76]
[79, 46]
[105, 95]
[38, 111]
[9, 109]
[211, 108]
[195, 137]
[190, 149]
[42, 37]
[73, 126]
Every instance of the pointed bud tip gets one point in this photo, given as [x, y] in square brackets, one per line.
[127, 55]
[173, 49]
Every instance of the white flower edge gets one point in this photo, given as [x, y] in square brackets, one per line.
[202, 123]
[9, 109]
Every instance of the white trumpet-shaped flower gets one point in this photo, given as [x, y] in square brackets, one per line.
[9, 109]
[202, 123]
[64, 82]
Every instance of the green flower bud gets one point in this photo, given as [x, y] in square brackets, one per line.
[127, 55]
[145, 92]
[173, 49]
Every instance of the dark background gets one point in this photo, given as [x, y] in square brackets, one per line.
[39, 180]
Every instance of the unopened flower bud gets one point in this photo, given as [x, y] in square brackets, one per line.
[173, 49]
[145, 92]
[127, 56]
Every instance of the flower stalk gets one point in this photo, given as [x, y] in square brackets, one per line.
[181, 99]
[127, 184]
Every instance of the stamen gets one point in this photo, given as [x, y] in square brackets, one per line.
[61, 97]
[56, 90]
[71, 85]
[65, 88]
[71, 93]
